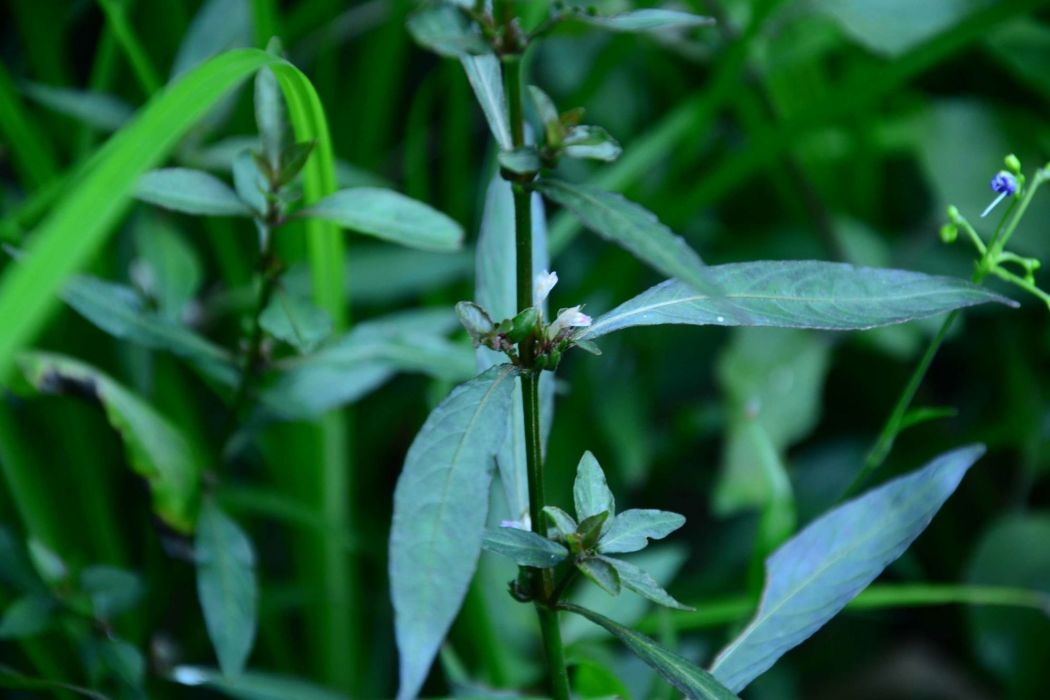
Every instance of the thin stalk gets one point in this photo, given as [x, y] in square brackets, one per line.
[543, 580]
[269, 272]
[116, 17]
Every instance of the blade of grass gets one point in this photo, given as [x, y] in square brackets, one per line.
[34, 158]
[117, 20]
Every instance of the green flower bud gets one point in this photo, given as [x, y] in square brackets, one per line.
[1013, 164]
[949, 232]
[953, 214]
[523, 325]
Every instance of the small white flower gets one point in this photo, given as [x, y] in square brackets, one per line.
[569, 318]
[545, 282]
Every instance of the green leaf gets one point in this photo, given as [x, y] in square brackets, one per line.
[647, 20]
[892, 27]
[524, 547]
[16, 570]
[495, 290]
[590, 493]
[218, 26]
[226, 587]
[79, 223]
[124, 662]
[293, 160]
[391, 216]
[591, 142]
[689, 679]
[602, 573]
[12, 679]
[113, 591]
[269, 115]
[548, 114]
[475, 320]
[445, 31]
[168, 267]
[96, 109]
[296, 321]
[796, 294]
[521, 161]
[486, 78]
[817, 572]
[632, 529]
[49, 566]
[156, 450]
[252, 685]
[633, 227]
[440, 507]
[251, 183]
[590, 529]
[351, 366]
[26, 617]
[563, 522]
[191, 192]
[637, 580]
[381, 274]
[120, 312]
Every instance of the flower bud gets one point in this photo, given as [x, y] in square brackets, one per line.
[949, 232]
[1013, 164]
[523, 325]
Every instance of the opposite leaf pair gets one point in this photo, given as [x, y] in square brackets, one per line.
[596, 532]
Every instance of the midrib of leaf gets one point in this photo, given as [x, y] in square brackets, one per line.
[760, 297]
[459, 449]
[761, 619]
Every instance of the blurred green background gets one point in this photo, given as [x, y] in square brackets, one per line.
[830, 129]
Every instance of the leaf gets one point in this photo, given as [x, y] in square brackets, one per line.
[349, 367]
[891, 27]
[96, 109]
[226, 587]
[156, 450]
[252, 685]
[16, 570]
[12, 679]
[562, 521]
[632, 529]
[591, 142]
[602, 573]
[124, 661]
[191, 192]
[440, 506]
[647, 20]
[120, 312]
[548, 114]
[796, 294]
[391, 216]
[113, 591]
[293, 160]
[168, 267]
[296, 321]
[218, 26]
[632, 227]
[521, 161]
[269, 115]
[495, 290]
[27, 616]
[445, 31]
[590, 493]
[637, 580]
[817, 572]
[689, 679]
[475, 320]
[486, 78]
[524, 547]
[80, 221]
[250, 182]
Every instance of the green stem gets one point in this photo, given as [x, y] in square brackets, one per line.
[269, 271]
[543, 581]
[116, 17]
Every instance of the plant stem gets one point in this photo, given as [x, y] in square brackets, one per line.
[543, 581]
[269, 273]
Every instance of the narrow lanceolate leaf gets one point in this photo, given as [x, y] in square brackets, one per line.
[486, 77]
[440, 506]
[648, 20]
[121, 312]
[156, 449]
[253, 685]
[693, 681]
[633, 227]
[190, 191]
[27, 616]
[445, 31]
[296, 321]
[391, 216]
[632, 529]
[796, 294]
[226, 587]
[637, 580]
[590, 492]
[524, 547]
[96, 109]
[818, 571]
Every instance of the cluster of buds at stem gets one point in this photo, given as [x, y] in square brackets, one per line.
[527, 339]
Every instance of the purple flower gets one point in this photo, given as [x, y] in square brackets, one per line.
[1004, 183]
